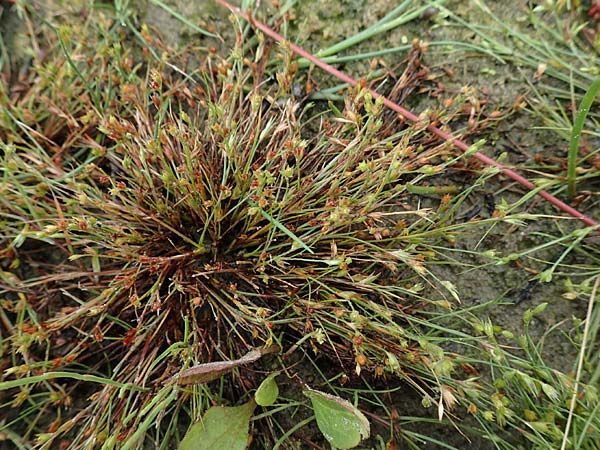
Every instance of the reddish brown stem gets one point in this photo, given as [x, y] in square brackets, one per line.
[412, 117]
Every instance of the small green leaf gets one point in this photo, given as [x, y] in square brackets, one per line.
[268, 391]
[342, 424]
[546, 276]
[539, 309]
[221, 428]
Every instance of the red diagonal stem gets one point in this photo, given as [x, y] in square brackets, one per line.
[412, 117]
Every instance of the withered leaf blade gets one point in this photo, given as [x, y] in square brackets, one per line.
[207, 372]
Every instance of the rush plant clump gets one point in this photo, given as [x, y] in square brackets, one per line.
[159, 214]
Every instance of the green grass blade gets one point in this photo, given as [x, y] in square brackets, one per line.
[182, 19]
[74, 376]
[282, 227]
[393, 20]
[584, 108]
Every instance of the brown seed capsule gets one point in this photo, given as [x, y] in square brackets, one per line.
[361, 359]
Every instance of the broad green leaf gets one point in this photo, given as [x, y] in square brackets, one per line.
[221, 428]
[342, 424]
[268, 391]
